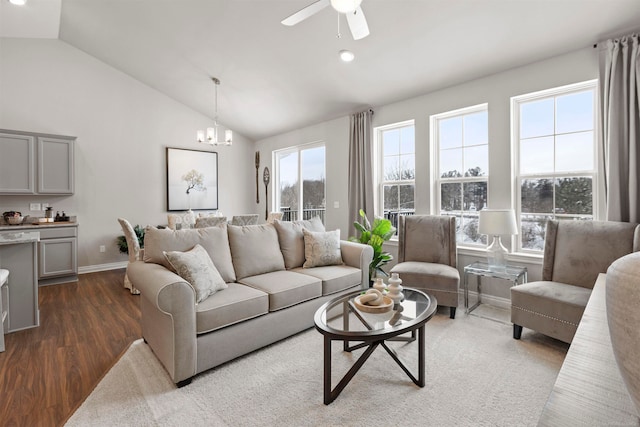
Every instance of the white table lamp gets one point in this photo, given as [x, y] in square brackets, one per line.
[497, 222]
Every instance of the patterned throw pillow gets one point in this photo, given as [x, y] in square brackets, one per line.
[321, 248]
[195, 266]
[181, 221]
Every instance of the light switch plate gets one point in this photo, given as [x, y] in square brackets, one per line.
[336, 205]
[34, 207]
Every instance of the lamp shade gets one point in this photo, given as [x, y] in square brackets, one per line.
[495, 222]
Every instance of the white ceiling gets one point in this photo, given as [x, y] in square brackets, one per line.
[276, 78]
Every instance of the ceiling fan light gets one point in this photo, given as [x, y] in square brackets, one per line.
[346, 55]
[345, 6]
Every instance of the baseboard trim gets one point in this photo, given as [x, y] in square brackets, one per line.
[102, 267]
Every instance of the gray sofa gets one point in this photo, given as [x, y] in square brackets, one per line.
[271, 292]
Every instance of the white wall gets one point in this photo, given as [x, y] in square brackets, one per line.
[122, 129]
[496, 90]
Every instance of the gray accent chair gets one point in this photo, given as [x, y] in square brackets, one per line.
[575, 253]
[427, 257]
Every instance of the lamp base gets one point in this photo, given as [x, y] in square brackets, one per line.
[497, 255]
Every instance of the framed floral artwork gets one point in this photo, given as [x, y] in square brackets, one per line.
[192, 179]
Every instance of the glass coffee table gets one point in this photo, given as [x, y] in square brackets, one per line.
[340, 320]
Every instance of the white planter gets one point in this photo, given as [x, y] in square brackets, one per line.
[623, 316]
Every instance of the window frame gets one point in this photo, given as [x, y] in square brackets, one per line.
[434, 121]
[518, 177]
[275, 167]
[378, 170]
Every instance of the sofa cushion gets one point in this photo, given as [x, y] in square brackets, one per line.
[195, 266]
[292, 239]
[213, 239]
[335, 278]
[553, 300]
[255, 249]
[321, 248]
[236, 304]
[285, 288]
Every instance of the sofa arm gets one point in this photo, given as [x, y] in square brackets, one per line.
[168, 306]
[357, 255]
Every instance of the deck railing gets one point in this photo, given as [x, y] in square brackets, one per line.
[289, 214]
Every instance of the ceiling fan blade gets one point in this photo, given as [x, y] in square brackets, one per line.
[358, 24]
[305, 13]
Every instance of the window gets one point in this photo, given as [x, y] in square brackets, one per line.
[460, 141]
[396, 170]
[300, 177]
[554, 138]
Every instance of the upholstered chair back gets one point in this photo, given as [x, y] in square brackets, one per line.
[427, 238]
[132, 239]
[575, 252]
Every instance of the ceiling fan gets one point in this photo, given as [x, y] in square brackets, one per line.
[350, 8]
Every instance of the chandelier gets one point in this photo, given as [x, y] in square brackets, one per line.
[211, 135]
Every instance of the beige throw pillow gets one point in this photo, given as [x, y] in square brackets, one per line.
[321, 248]
[195, 266]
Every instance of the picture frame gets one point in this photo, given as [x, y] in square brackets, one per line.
[192, 179]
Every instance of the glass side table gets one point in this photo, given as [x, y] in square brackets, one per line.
[515, 275]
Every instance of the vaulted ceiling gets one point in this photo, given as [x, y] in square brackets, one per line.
[276, 78]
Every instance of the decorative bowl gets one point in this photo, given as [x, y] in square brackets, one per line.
[386, 306]
[15, 220]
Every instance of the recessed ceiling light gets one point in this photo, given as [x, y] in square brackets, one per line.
[347, 55]
[18, 2]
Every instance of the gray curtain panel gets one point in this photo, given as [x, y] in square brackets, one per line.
[360, 167]
[620, 80]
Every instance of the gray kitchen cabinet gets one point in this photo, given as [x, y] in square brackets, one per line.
[58, 255]
[17, 163]
[35, 163]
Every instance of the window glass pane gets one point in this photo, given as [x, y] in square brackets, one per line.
[391, 168]
[451, 163]
[450, 132]
[450, 197]
[407, 140]
[536, 195]
[288, 185]
[536, 118]
[476, 128]
[391, 198]
[476, 160]
[469, 229]
[574, 112]
[408, 166]
[313, 182]
[536, 155]
[475, 196]
[391, 142]
[406, 197]
[574, 196]
[574, 152]
[532, 231]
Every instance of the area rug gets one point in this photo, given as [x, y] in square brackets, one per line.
[477, 375]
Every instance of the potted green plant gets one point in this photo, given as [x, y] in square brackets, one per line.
[122, 241]
[375, 235]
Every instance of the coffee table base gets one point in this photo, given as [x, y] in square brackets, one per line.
[331, 394]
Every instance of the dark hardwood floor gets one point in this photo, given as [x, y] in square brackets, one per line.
[48, 371]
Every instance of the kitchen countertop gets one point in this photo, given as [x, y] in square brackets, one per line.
[6, 227]
[19, 237]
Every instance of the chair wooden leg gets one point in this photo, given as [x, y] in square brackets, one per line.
[452, 312]
[517, 331]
